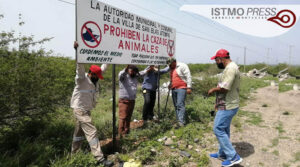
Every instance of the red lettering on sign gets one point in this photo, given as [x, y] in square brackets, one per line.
[122, 32]
[159, 40]
[136, 46]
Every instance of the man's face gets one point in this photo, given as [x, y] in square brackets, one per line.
[220, 62]
[151, 67]
[131, 72]
[173, 65]
[94, 77]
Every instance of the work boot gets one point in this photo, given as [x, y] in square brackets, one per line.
[180, 124]
[145, 123]
[105, 162]
[155, 119]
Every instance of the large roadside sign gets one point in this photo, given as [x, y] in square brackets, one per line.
[110, 35]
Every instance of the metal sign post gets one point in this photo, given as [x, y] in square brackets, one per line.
[76, 28]
[114, 105]
[158, 93]
[245, 52]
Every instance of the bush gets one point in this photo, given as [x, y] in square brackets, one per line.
[36, 142]
[206, 69]
[80, 159]
[31, 85]
[201, 87]
[144, 152]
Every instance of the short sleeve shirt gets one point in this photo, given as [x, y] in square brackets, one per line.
[230, 80]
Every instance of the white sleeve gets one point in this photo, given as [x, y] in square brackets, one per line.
[187, 73]
[144, 72]
[104, 67]
[122, 75]
[80, 71]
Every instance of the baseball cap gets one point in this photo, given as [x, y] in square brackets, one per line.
[220, 53]
[97, 70]
[170, 60]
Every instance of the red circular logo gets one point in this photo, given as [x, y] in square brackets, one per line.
[285, 18]
[91, 34]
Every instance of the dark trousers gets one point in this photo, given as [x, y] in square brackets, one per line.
[125, 112]
[149, 102]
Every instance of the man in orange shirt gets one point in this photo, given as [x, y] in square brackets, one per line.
[181, 84]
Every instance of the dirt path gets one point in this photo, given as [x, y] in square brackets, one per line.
[274, 142]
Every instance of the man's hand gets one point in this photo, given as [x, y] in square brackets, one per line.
[211, 91]
[75, 45]
[170, 86]
[188, 91]
[126, 68]
[150, 69]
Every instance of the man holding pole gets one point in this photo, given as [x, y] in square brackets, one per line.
[127, 94]
[180, 84]
[83, 101]
[149, 89]
[227, 104]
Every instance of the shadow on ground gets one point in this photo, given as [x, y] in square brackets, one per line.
[244, 149]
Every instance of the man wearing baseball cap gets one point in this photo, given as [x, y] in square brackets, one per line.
[83, 101]
[227, 104]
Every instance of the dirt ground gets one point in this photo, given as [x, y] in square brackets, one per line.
[276, 140]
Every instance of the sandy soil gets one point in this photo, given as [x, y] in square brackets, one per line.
[275, 141]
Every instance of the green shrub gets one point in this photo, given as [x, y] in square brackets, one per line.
[144, 152]
[201, 87]
[32, 83]
[80, 159]
[205, 69]
[36, 142]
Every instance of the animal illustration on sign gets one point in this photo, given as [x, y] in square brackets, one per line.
[88, 37]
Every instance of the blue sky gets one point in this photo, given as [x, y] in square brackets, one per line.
[52, 18]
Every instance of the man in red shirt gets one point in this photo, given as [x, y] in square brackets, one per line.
[181, 84]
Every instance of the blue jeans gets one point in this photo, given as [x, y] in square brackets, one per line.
[222, 131]
[179, 96]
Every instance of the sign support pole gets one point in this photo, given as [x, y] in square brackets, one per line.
[245, 52]
[76, 28]
[114, 105]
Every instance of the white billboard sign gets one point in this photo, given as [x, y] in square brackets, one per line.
[110, 35]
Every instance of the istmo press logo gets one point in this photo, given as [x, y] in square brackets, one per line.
[256, 20]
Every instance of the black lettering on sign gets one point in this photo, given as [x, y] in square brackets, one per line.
[99, 59]
[95, 5]
[106, 17]
[134, 55]
[137, 26]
